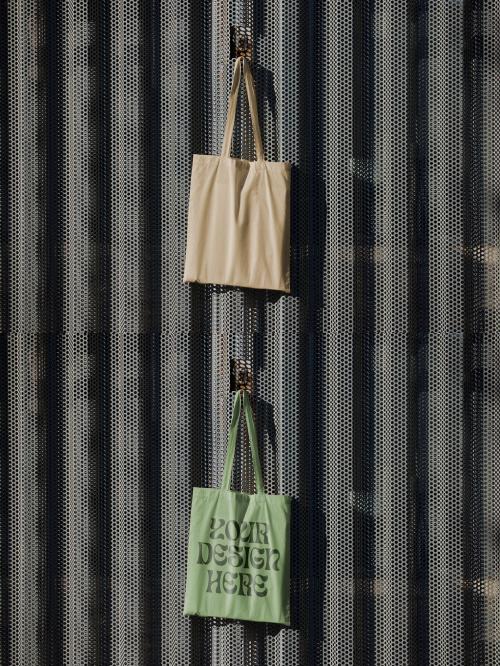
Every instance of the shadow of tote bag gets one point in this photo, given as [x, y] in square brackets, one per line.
[238, 551]
[239, 211]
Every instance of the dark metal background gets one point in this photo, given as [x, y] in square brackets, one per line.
[376, 381]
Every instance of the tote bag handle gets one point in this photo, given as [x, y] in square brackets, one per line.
[231, 112]
[252, 435]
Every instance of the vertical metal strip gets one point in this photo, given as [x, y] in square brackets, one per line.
[50, 305]
[5, 538]
[363, 301]
[445, 340]
[125, 327]
[287, 385]
[100, 415]
[178, 642]
[151, 317]
[23, 77]
[335, 393]
[392, 301]
[4, 172]
[5, 325]
[472, 327]
[76, 565]
[419, 330]
[491, 343]
[25, 566]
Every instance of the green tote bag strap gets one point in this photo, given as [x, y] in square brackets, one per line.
[252, 436]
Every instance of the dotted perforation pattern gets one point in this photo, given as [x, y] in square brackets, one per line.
[376, 379]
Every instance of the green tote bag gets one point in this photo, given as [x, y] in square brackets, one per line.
[238, 552]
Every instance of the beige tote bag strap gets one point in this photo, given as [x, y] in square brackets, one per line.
[231, 111]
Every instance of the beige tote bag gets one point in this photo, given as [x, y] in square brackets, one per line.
[239, 211]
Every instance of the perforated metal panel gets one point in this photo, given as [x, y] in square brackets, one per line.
[376, 381]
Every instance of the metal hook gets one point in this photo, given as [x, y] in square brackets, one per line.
[241, 42]
[241, 374]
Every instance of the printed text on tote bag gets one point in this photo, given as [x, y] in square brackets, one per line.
[238, 556]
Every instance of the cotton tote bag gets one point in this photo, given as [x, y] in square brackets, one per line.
[238, 550]
[239, 211]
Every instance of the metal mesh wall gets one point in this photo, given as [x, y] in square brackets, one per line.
[376, 381]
